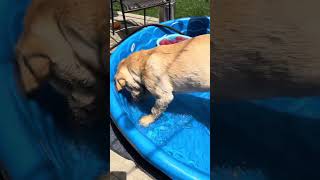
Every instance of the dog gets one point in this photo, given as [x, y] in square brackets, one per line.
[163, 70]
[64, 43]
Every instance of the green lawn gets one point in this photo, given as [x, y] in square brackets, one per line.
[184, 8]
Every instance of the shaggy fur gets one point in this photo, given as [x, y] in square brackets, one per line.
[64, 42]
[180, 67]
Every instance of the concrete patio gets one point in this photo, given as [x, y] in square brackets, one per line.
[123, 169]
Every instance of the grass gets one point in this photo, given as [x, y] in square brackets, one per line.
[184, 8]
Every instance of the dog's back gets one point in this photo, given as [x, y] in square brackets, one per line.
[190, 70]
[186, 63]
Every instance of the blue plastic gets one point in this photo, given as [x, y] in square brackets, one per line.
[276, 138]
[35, 144]
[178, 143]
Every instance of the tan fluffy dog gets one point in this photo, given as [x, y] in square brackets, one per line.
[179, 67]
[64, 42]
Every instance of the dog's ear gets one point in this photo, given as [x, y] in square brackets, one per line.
[120, 84]
[33, 71]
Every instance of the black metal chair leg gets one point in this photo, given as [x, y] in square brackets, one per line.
[125, 23]
[144, 16]
[169, 9]
[124, 18]
[112, 16]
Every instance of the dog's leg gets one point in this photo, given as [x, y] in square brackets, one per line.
[163, 93]
[160, 106]
[136, 95]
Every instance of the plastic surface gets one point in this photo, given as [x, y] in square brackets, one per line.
[35, 143]
[276, 138]
[170, 37]
[178, 143]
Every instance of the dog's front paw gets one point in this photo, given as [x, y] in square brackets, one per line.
[146, 120]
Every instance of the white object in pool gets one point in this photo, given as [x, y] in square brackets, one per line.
[133, 46]
[171, 37]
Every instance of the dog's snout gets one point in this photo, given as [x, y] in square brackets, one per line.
[81, 99]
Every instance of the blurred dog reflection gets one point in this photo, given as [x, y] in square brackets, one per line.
[64, 43]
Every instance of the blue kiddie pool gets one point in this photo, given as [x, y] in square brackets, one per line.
[178, 143]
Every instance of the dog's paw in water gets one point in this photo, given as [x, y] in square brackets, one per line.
[146, 120]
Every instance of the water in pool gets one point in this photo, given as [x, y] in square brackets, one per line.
[187, 114]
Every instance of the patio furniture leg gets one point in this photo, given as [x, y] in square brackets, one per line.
[124, 18]
[169, 9]
[144, 16]
[112, 16]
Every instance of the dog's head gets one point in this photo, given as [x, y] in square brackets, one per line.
[128, 75]
[61, 45]
[40, 63]
[122, 76]
[86, 100]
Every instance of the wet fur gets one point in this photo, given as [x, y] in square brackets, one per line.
[64, 43]
[181, 67]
